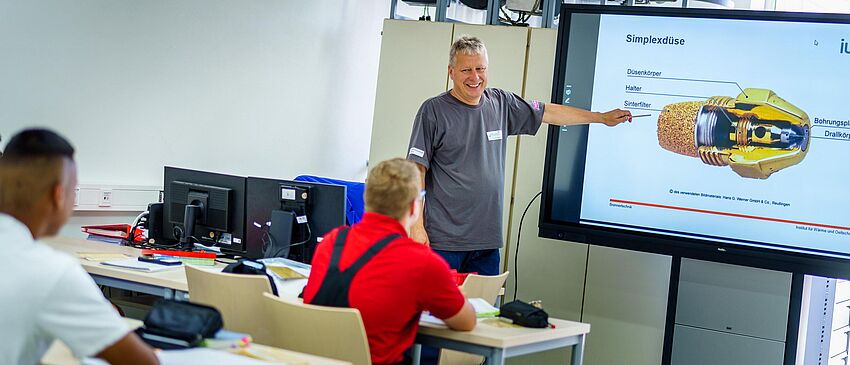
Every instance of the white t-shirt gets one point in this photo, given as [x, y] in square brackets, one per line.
[46, 295]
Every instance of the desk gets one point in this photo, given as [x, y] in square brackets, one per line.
[168, 284]
[497, 340]
[492, 338]
[59, 354]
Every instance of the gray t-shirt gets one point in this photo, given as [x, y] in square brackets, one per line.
[463, 148]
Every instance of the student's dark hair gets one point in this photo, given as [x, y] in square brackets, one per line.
[33, 163]
[35, 143]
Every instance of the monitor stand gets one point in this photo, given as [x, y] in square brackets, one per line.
[280, 234]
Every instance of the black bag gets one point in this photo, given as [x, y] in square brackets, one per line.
[175, 324]
[250, 267]
[524, 314]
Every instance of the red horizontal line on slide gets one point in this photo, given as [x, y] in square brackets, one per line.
[729, 214]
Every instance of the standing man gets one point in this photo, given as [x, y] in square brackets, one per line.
[46, 294]
[458, 142]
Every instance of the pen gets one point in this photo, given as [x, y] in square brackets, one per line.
[640, 115]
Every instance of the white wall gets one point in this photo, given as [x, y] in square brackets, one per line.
[253, 87]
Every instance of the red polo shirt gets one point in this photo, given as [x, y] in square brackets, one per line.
[393, 288]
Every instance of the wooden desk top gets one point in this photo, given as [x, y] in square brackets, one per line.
[494, 332]
[172, 279]
[59, 354]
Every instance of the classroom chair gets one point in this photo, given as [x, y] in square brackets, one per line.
[337, 333]
[238, 297]
[484, 287]
[475, 286]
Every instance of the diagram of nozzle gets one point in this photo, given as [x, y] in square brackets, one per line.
[755, 134]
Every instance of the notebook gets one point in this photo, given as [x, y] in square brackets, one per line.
[135, 264]
[193, 356]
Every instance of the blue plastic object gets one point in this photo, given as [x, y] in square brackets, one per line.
[354, 204]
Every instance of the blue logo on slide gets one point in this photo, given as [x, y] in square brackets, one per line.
[845, 47]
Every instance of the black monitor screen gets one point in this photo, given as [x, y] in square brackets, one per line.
[219, 208]
[213, 202]
[739, 148]
[303, 212]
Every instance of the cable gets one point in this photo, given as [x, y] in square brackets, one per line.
[266, 238]
[140, 216]
[143, 219]
[269, 240]
[309, 236]
[131, 237]
[306, 224]
[506, 18]
[516, 252]
[522, 17]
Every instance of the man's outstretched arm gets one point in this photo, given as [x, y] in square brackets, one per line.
[566, 115]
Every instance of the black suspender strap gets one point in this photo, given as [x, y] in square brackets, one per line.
[371, 252]
[334, 288]
[339, 244]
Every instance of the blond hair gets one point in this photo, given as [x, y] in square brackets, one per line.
[467, 45]
[391, 186]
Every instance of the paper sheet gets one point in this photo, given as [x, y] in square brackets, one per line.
[286, 273]
[483, 309]
[204, 356]
[98, 256]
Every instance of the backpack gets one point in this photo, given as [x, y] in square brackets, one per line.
[250, 267]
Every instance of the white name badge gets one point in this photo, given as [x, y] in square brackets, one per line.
[494, 135]
[416, 152]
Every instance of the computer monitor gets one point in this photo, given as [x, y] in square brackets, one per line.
[731, 164]
[206, 208]
[283, 214]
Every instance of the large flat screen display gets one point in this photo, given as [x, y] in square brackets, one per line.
[740, 144]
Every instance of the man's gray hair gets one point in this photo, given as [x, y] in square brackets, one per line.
[467, 45]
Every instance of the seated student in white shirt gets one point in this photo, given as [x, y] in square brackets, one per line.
[44, 294]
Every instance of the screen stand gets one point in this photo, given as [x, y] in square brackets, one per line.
[280, 234]
[192, 214]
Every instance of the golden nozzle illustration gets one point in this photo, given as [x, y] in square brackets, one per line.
[756, 134]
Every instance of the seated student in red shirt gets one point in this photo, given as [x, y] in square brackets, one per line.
[374, 267]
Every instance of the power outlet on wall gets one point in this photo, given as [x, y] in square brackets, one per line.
[127, 198]
[105, 198]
